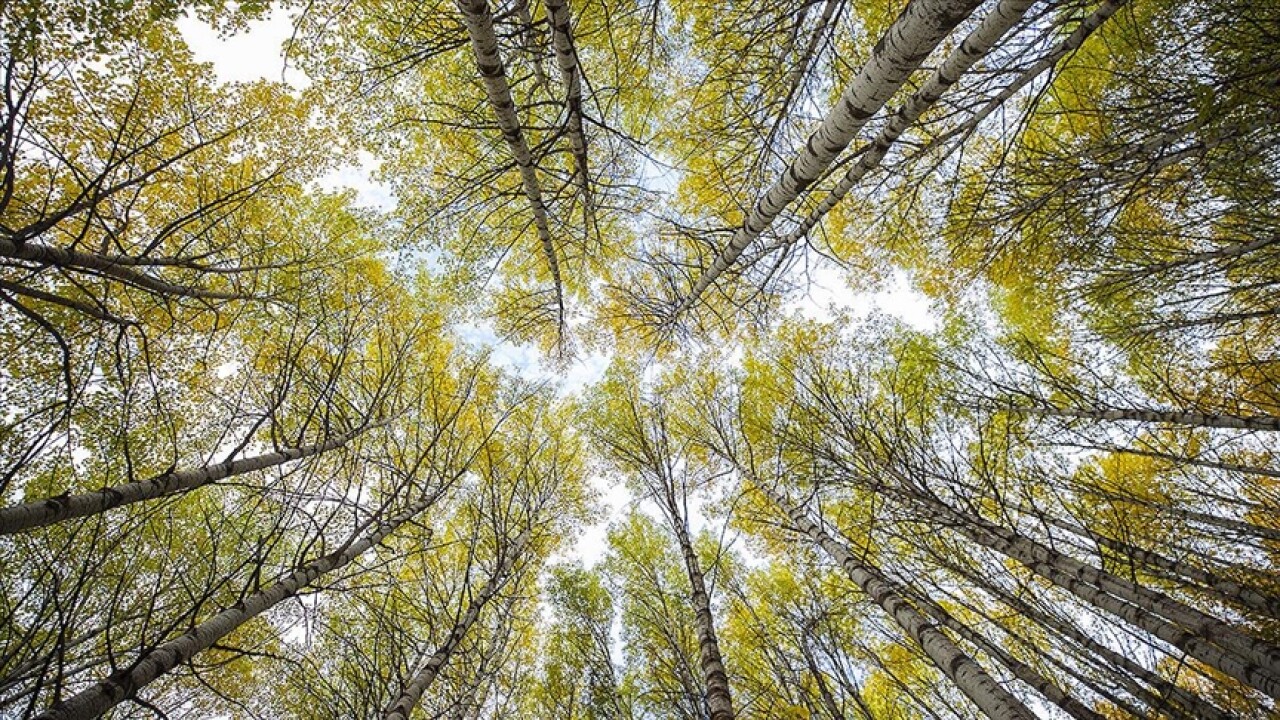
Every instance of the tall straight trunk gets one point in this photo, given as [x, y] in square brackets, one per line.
[1249, 660]
[1069, 44]
[719, 701]
[1019, 669]
[902, 49]
[1224, 589]
[571, 77]
[156, 662]
[1099, 651]
[994, 701]
[39, 513]
[973, 48]
[1270, 423]
[484, 44]
[412, 693]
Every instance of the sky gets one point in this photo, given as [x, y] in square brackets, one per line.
[258, 54]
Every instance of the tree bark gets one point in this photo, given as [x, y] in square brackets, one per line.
[1020, 670]
[1222, 588]
[571, 78]
[973, 48]
[100, 265]
[125, 683]
[1168, 690]
[1250, 660]
[40, 513]
[719, 701]
[902, 49]
[1068, 45]
[1268, 423]
[484, 44]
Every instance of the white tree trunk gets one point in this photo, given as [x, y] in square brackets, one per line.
[994, 701]
[571, 77]
[484, 44]
[39, 513]
[106, 694]
[973, 48]
[412, 693]
[902, 49]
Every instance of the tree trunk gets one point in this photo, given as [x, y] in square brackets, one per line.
[570, 77]
[1168, 691]
[1020, 670]
[109, 267]
[1249, 660]
[975, 46]
[994, 701]
[48, 511]
[1224, 589]
[902, 49]
[719, 701]
[1268, 423]
[484, 44]
[125, 683]
[1068, 45]
[412, 693]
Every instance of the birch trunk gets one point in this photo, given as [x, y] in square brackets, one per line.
[484, 44]
[40, 513]
[532, 40]
[1201, 644]
[125, 683]
[902, 49]
[1257, 659]
[719, 701]
[1196, 462]
[1269, 423]
[1020, 670]
[994, 701]
[1222, 588]
[973, 48]
[1068, 45]
[412, 693]
[73, 259]
[570, 77]
[1166, 689]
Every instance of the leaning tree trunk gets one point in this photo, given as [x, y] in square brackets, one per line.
[1069, 44]
[1019, 669]
[412, 693]
[719, 701]
[994, 701]
[1125, 667]
[1223, 589]
[484, 44]
[1269, 423]
[1250, 660]
[902, 49]
[117, 268]
[155, 663]
[973, 48]
[39, 513]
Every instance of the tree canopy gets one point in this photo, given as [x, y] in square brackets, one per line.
[827, 360]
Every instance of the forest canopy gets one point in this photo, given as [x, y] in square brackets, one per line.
[910, 360]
